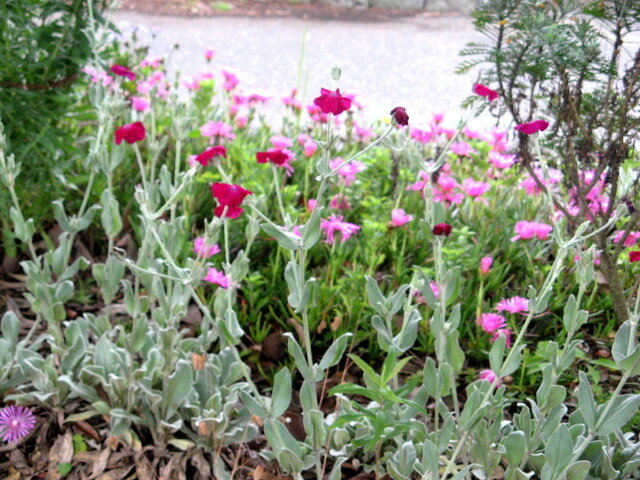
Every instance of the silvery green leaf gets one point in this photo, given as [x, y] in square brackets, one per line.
[623, 343]
[336, 473]
[298, 356]
[83, 223]
[401, 465]
[61, 216]
[554, 397]
[110, 214]
[569, 313]
[384, 336]
[334, 353]
[308, 295]
[454, 352]
[165, 182]
[58, 312]
[281, 396]
[138, 334]
[515, 445]
[240, 267]
[631, 364]
[451, 285]
[79, 263]
[317, 431]
[496, 354]
[586, 402]
[253, 405]
[292, 276]
[287, 240]
[311, 230]
[290, 462]
[558, 450]
[177, 388]
[512, 363]
[73, 355]
[430, 377]
[578, 470]
[64, 291]
[308, 399]
[336, 73]
[279, 437]
[10, 329]
[395, 302]
[408, 333]
[429, 461]
[376, 298]
[462, 474]
[427, 292]
[624, 407]
[23, 230]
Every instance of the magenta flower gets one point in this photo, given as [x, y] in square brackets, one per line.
[399, 217]
[209, 53]
[399, 114]
[310, 147]
[485, 264]
[335, 224]
[122, 71]
[339, 202]
[513, 305]
[462, 149]
[219, 129]
[16, 423]
[634, 257]
[130, 133]
[140, 104]
[332, 102]
[277, 156]
[153, 62]
[229, 197]
[631, 239]
[203, 249]
[533, 127]
[217, 277]
[484, 91]
[490, 322]
[211, 153]
[490, 376]
[230, 80]
[311, 204]
[474, 188]
[527, 230]
[500, 160]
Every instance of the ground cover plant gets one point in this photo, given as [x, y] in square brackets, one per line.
[317, 296]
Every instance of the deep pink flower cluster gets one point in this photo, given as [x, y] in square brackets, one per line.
[527, 230]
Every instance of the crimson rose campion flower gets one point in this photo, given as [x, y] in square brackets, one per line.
[533, 127]
[229, 197]
[210, 153]
[276, 156]
[332, 102]
[130, 133]
[634, 256]
[123, 71]
[442, 229]
[399, 114]
[485, 91]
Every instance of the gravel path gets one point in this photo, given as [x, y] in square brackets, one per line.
[408, 62]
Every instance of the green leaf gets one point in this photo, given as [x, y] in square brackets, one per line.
[515, 446]
[177, 388]
[253, 405]
[311, 230]
[376, 298]
[287, 240]
[65, 468]
[496, 354]
[281, 397]
[298, 356]
[623, 409]
[586, 402]
[369, 373]
[559, 449]
[578, 470]
[110, 214]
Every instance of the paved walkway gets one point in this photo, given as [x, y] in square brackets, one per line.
[408, 62]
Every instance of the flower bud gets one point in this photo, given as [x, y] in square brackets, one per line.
[400, 116]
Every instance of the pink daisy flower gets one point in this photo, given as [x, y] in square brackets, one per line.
[335, 224]
[490, 322]
[513, 305]
[16, 423]
[204, 249]
[217, 277]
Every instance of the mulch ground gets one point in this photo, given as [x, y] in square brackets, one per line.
[253, 8]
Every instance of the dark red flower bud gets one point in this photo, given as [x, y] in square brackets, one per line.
[276, 156]
[442, 229]
[400, 116]
[634, 256]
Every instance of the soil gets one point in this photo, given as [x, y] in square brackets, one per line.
[253, 8]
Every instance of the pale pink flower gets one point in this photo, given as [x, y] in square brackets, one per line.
[241, 121]
[153, 62]
[280, 141]
[217, 277]
[311, 204]
[230, 80]
[490, 322]
[527, 230]
[292, 101]
[399, 217]
[435, 289]
[204, 249]
[349, 171]
[498, 140]
[490, 376]
[192, 161]
[501, 160]
[513, 305]
[531, 187]
[310, 148]
[422, 136]
[462, 149]
[363, 133]
[140, 104]
[217, 129]
[335, 224]
[474, 188]
[485, 264]
[209, 53]
[144, 87]
[470, 133]
[190, 83]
